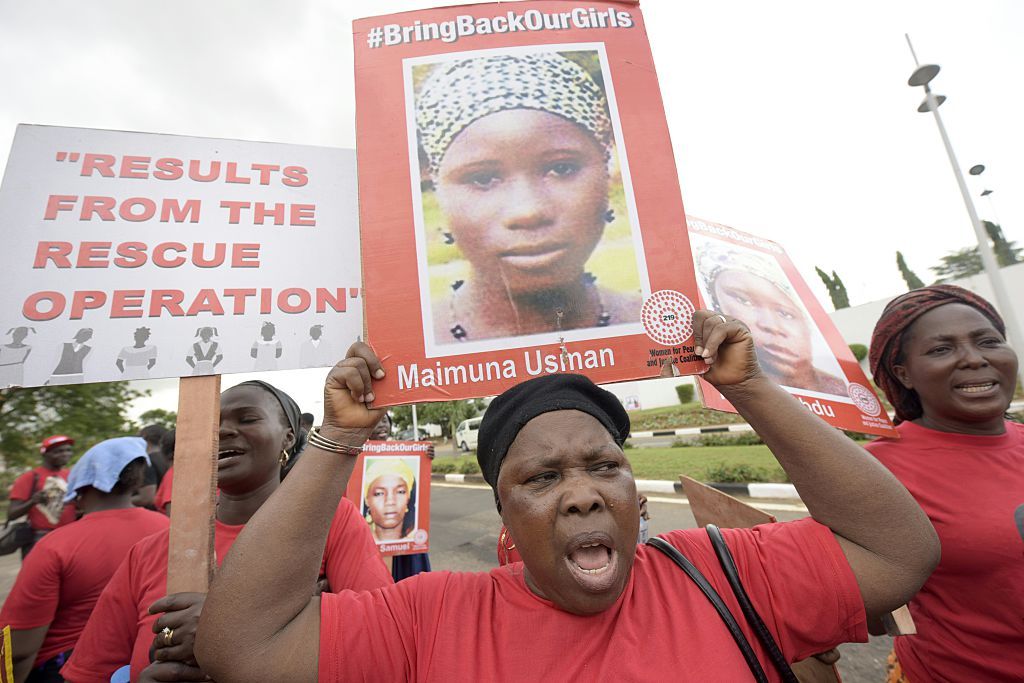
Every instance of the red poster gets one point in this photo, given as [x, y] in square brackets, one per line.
[798, 346]
[391, 487]
[518, 198]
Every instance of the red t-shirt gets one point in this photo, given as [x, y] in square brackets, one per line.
[62, 578]
[121, 628]
[163, 492]
[22, 490]
[489, 626]
[970, 613]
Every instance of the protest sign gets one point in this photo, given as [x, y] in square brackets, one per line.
[391, 487]
[798, 346]
[519, 205]
[135, 255]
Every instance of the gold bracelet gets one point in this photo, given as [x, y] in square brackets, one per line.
[317, 439]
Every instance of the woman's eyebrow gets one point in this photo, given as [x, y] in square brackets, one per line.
[979, 332]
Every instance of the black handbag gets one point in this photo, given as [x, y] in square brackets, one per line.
[17, 535]
[14, 536]
[750, 614]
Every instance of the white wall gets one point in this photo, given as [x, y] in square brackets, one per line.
[651, 393]
[857, 322]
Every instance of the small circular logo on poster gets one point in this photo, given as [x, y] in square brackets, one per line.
[667, 316]
[419, 537]
[864, 399]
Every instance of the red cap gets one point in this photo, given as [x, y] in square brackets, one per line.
[56, 440]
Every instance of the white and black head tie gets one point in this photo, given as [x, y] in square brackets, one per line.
[458, 93]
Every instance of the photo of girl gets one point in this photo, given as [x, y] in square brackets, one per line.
[749, 285]
[525, 208]
[389, 497]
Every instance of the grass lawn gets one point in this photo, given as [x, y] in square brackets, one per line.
[705, 463]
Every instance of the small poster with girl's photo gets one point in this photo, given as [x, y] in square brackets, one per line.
[391, 488]
[519, 203]
[798, 346]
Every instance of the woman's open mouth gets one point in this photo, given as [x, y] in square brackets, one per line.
[592, 563]
[227, 457]
[977, 388]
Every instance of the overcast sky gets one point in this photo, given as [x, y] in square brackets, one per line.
[790, 120]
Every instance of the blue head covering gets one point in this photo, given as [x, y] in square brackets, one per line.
[101, 466]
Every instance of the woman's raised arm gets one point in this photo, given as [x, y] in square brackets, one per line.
[259, 621]
[886, 537]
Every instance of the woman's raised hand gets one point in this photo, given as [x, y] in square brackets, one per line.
[727, 346]
[348, 392]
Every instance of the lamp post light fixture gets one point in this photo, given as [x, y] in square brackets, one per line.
[923, 76]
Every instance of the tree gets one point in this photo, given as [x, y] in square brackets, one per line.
[967, 261]
[88, 413]
[1007, 252]
[447, 414]
[165, 418]
[909, 276]
[836, 289]
[959, 264]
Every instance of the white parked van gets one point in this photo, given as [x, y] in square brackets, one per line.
[466, 434]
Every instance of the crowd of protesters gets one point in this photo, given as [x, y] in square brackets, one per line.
[304, 595]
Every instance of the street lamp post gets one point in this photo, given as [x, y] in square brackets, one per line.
[922, 76]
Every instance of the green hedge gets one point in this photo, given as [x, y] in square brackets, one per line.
[685, 393]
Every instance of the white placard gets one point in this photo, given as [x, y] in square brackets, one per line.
[136, 255]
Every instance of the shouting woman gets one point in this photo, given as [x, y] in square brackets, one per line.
[585, 602]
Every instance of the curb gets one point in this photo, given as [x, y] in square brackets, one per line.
[752, 490]
[692, 431]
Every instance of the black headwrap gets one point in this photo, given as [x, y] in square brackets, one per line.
[509, 412]
[291, 409]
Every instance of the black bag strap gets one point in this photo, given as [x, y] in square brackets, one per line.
[716, 600]
[753, 618]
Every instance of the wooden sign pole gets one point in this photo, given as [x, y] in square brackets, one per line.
[190, 560]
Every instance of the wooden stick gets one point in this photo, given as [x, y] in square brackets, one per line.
[899, 622]
[191, 561]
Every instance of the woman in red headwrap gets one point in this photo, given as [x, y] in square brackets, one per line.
[940, 355]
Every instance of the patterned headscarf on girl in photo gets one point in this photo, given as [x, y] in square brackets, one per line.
[458, 93]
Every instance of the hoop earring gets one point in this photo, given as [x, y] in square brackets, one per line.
[283, 459]
[609, 216]
[448, 238]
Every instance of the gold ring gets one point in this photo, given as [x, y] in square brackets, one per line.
[719, 315]
[168, 634]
